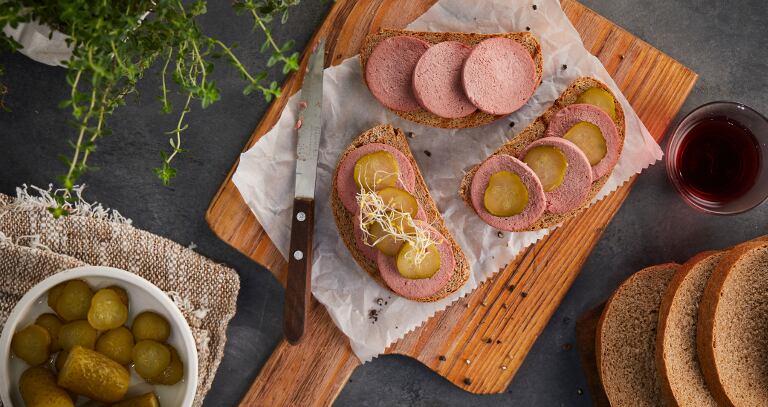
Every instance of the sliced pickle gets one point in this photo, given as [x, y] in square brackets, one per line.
[61, 357]
[376, 171]
[173, 373]
[77, 333]
[409, 267]
[388, 244]
[549, 164]
[600, 98]
[589, 139]
[506, 195]
[150, 358]
[74, 301]
[150, 325]
[107, 310]
[399, 200]
[145, 400]
[52, 324]
[117, 345]
[54, 294]
[120, 291]
[93, 375]
[32, 344]
[38, 388]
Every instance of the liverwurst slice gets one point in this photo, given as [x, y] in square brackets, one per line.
[345, 184]
[578, 176]
[570, 115]
[499, 76]
[536, 200]
[437, 80]
[389, 71]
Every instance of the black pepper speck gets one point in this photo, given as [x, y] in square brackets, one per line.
[579, 391]
[467, 381]
[535, 7]
[498, 341]
[527, 28]
[411, 135]
[427, 153]
[511, 124]
[523, 294]
[441, 358]
[511, 287]
[565, 66]
[500, 235]
[488, 340]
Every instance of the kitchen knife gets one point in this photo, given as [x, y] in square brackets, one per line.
[298, 288]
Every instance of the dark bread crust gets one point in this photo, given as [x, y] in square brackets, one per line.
[662, 364]
[536, 130]
[386, 134]
[477, 118]
[714, 374]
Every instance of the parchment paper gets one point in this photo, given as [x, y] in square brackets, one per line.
[265, 174]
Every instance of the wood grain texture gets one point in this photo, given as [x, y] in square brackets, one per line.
[496, 325]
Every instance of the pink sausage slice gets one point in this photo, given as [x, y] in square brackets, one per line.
[424, 287]
[536, 199]
[578, 176]
[345, 183]
[437, 80]
[570, 115]
[499, 76]
[389, 71]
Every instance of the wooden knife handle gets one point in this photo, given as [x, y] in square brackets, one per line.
[298, 288]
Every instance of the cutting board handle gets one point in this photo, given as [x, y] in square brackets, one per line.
[311, 373]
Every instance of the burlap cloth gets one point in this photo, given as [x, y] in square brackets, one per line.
[34, 245]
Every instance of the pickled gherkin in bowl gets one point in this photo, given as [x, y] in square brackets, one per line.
[51, 330]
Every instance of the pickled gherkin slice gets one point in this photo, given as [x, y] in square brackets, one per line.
[61, 357]
[173, 373]
[52, 324]
[589, 139]
[107, 310]
[77, 333]
[506, 194]
[383, 241]
[74, 301]
[549, 164]
[150, 325]
[32, 344]
[91, 374]
[117, 345]
[120, 291]
[54, 294]
[601, 98]
[399, 200]
[39, 389]
[409, 265]
[150, 358]
[145, 400]
[376, 171]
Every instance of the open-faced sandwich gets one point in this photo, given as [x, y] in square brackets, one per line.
[389, 222]
[553, 169]
[451, 79]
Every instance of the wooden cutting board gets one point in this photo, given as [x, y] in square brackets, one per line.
[480, 342]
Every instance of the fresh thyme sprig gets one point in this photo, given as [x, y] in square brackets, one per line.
[115, 41]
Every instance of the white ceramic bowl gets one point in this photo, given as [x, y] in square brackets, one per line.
[143, 296]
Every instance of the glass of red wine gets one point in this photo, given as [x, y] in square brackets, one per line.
[716, 158]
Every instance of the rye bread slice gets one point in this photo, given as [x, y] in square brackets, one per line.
[477, 118]
[386, 134]
[626, 338]
[681, 379]
[537, 130]
[732, 332]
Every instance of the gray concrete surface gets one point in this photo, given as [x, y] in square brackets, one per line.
[723, 41]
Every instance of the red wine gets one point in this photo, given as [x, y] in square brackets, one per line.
[718, 159]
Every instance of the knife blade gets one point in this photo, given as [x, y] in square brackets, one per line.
[298, 287]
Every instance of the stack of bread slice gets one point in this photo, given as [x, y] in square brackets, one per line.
[694, 334]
